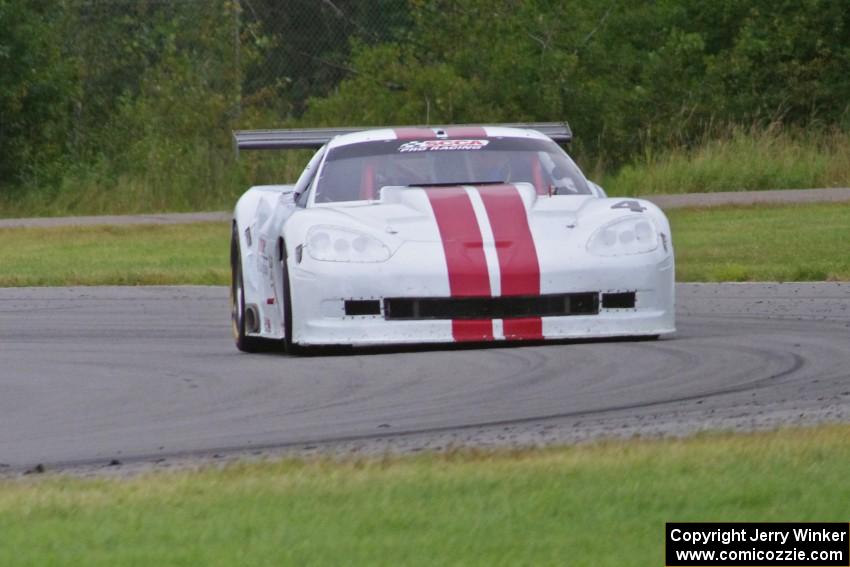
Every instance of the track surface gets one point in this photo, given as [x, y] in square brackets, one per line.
[93, 374]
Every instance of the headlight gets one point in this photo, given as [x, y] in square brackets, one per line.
[633, 235]
[335, 244]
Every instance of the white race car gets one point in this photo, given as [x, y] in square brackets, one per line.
[439, 235]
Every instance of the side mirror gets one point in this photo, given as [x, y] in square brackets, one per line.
[597, 190]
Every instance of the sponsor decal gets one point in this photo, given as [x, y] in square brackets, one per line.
[264, 261]
[441, 145]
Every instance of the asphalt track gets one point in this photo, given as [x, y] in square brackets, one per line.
[150, 374]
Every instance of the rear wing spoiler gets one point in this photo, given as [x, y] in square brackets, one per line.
[307, 138]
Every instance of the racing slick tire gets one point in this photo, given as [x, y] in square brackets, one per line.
[288, 345]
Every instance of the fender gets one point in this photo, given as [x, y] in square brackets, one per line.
[259, 217]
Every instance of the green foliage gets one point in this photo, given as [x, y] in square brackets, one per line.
[631, 77]
[169, 124]
[788, 58]
[154, 99]
[391, 77]
[306, 46]
[128, 105]
[35, 88]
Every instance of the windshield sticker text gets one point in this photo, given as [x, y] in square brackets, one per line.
[442, 145]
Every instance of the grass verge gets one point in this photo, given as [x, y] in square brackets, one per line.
[602, 504]
[762, 243]
[115, 255]
[779, 243]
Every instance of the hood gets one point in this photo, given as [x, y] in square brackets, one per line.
[409, 214]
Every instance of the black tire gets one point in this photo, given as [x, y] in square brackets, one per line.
[288, 345]
[237, 301]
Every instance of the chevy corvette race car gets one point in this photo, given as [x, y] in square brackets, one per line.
[439, 235]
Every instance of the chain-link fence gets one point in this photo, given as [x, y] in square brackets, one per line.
[303, 46]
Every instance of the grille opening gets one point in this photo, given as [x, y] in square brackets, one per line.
[362, 307]
[625, 300]
[556, 305]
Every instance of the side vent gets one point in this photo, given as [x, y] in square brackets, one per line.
[355, 307]
[625, 300]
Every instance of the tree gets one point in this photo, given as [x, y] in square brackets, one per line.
[628, 75]
[36, 85]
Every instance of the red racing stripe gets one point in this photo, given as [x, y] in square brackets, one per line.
[518, 264]
[465, 261]
[472, 330]
[415, 134]
[428, 133]
[466, 132]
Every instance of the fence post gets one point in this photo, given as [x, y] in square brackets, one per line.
[237, 64]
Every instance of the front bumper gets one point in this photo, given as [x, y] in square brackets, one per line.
[320, 289]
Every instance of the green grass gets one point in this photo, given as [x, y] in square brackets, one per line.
[758, 243]
[743, 160]
[115, 255]
[603, 504]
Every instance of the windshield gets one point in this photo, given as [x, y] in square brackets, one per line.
[358, 171]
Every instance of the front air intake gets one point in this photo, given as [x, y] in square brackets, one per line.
[555, 305]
